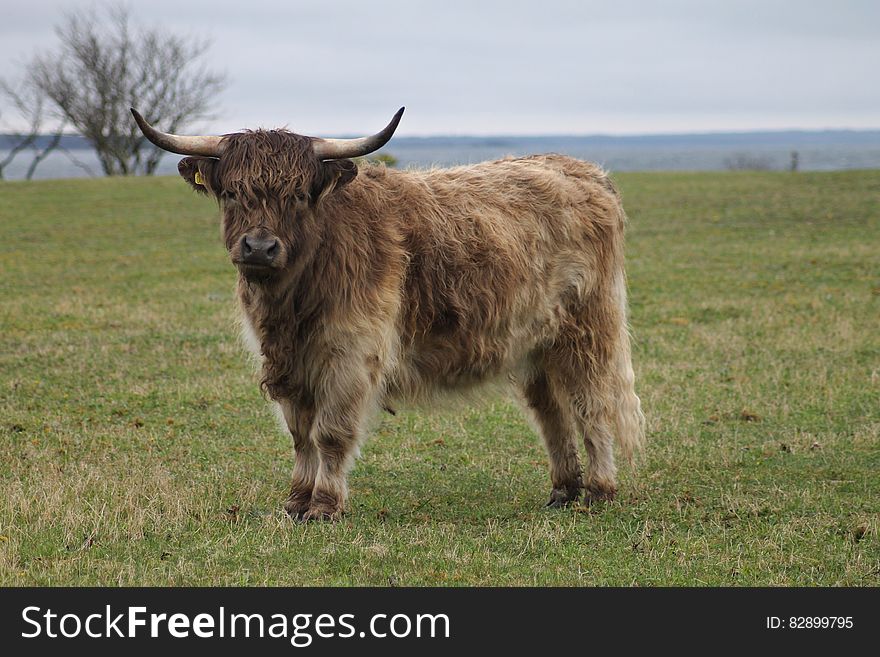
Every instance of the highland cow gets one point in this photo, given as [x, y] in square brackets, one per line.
[363, 287]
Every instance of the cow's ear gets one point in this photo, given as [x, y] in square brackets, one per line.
[199, 173]
[335, 174]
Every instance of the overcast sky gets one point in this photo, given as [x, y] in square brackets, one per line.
[509, 67]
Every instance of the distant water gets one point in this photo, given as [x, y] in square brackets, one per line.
[816, 151]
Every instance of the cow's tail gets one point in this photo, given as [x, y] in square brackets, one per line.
[626, 411]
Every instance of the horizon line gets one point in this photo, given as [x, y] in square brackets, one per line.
[615, 135]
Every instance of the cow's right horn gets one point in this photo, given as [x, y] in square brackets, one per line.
[207, 146]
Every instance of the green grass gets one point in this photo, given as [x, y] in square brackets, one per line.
[135, 447]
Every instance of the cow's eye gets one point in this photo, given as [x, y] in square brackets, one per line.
[228, 196]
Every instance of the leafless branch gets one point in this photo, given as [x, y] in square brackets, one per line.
[27, 102]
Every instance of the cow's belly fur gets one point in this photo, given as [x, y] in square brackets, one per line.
[461, 352]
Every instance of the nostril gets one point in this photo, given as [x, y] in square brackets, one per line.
[246, 248]
[273, 249]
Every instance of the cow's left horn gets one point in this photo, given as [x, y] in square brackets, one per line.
[208, 146]
[338, 149]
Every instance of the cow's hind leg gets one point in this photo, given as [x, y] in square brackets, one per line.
[584, 386]
[600, 482]
[551, 410]
[607, 410]
[596, 369]
[298, 419]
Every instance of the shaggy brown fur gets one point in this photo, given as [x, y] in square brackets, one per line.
[392, 286]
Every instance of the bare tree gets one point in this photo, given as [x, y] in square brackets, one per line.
[29, 104]
[102, 69]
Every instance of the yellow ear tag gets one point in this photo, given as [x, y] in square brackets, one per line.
[198, 178]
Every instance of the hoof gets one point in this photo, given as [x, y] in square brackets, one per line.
[561, 497]
[320, 514]
[324, 506]
[595, 494]
[297, 504]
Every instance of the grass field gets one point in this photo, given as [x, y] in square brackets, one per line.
[135, 447]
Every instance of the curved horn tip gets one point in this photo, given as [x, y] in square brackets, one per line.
[139, 119]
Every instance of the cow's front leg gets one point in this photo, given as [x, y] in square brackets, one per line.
[336, 433]
[299, 419]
